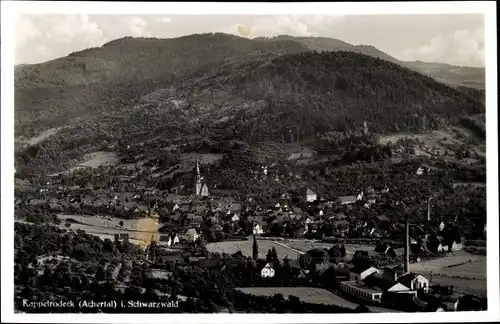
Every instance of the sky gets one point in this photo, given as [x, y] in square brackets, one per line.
[455, 39]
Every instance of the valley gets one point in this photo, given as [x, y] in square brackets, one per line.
[242, 169]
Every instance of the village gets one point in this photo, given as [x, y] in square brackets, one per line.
[372, 264]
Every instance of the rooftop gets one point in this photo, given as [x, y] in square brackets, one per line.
[359, 269]
[362, 285]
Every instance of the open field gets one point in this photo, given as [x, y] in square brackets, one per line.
[306, 245]
[306, 294]
[92, 160]
[98, 158]
[246, 248]
[437, 141]
[109, 222]
[309, 295]
[475, 269]
[139, 230]
[475, 287]
[444, 276]
[437, 265]
[102, 233]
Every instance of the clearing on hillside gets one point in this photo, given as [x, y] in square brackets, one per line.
[438, 143]
[98, 158]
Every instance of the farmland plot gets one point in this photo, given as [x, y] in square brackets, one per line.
[437, 265]
[309, 295]
[139, 230]
[473, 273]
[246, 248]
[474, 269]
[306, 245]
[306, 294]
[475, 287]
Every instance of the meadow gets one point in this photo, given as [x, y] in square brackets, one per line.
[246, 248]
[139, 230]
[309, 295]
[465, 277]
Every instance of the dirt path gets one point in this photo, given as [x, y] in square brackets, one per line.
[286, 246]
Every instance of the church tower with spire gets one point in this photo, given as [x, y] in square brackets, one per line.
[200, 187]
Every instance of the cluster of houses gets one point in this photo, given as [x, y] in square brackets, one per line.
[392, 286]
[370, 283]
[189, 216]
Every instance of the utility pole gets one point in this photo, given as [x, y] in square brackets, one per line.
[429, 209]
[406, 266]
[407, 244]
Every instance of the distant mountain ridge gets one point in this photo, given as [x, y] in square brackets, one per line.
[453, 75]
[108, 80]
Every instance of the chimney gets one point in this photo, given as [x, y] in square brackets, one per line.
[407, 245]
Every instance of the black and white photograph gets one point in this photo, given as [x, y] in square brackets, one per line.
[163, 160]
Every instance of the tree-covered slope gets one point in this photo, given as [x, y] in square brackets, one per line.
[446, 73]
[312, 93]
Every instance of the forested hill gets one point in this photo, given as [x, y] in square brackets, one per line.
[446, 73]
[311, 93]
[112, 77]
[333, 90]
[139, 59]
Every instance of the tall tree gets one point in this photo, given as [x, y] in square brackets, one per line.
[255, 249]
[269, 256]
[274, 254]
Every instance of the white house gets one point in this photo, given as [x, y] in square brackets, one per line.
[235, 218]
[310, 195]
[191, 235]
[455, 246]
[267, 271]
[174, 241]
[361, 272]
[441, 226]
[414, 281]
[423, 170]
[258, 230]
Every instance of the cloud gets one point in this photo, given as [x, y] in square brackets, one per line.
[460, 47]
[166, 20]
[25, 31]
[292, 25]
[68, 29]
[138, 27]
[40, 38]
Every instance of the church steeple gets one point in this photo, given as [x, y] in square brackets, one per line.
[197, 170]
[200, 188]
